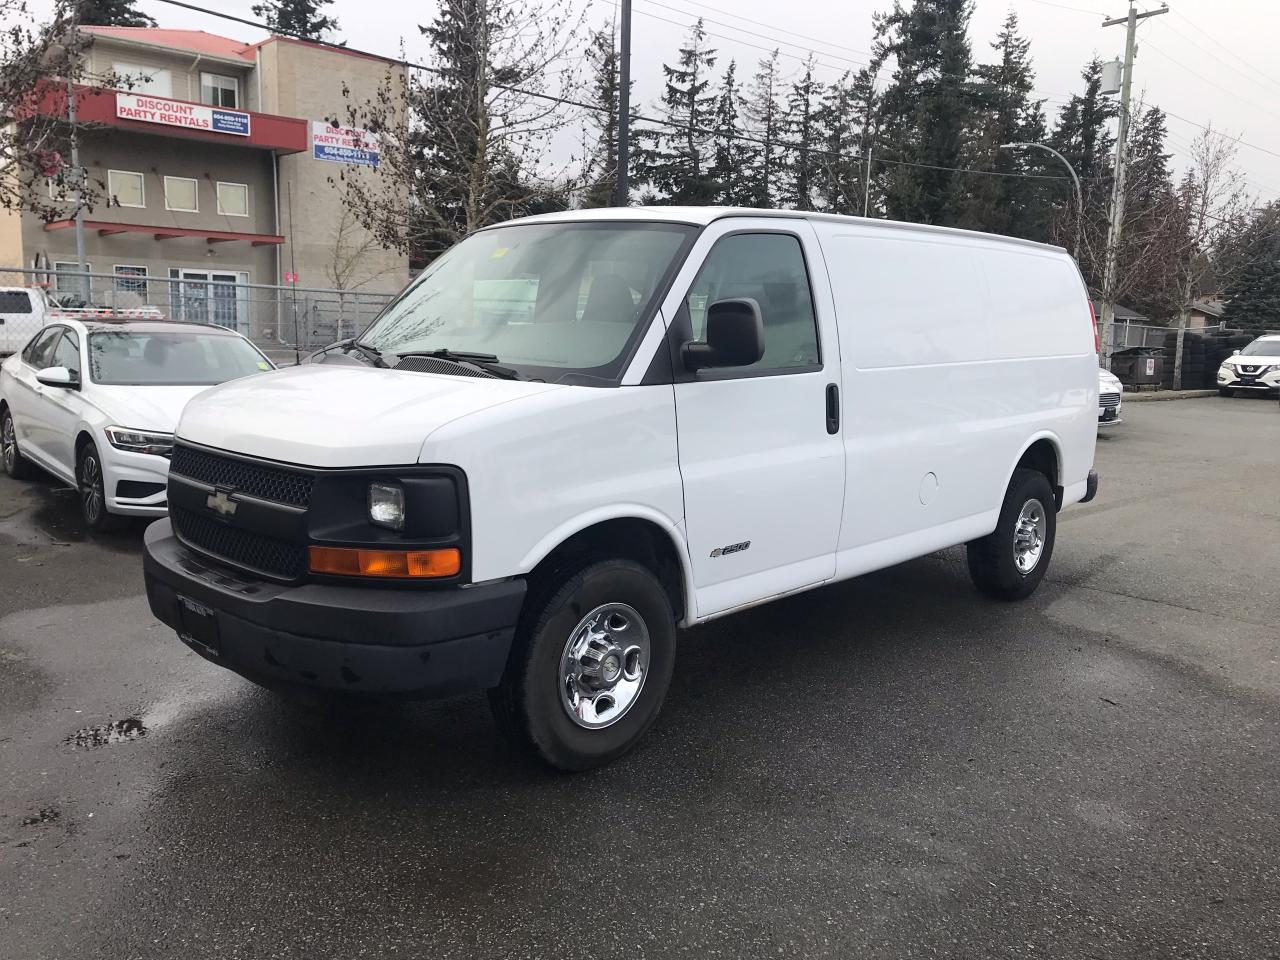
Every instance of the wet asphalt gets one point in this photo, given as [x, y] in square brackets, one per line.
[892, 767]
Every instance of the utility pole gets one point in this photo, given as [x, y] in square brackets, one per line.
[621, 189]
[81, 264]
[1118, 181]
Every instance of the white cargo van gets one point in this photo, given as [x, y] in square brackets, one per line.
[574, 433]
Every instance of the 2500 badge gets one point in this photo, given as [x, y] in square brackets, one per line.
[731, 548]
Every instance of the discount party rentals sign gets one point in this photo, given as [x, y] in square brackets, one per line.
[343, 144]
[177, 113]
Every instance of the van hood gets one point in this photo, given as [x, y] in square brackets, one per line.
[340, 416]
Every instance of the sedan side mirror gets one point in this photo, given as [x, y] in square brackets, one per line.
[735, 336]
[58, 377]
[1235, 353]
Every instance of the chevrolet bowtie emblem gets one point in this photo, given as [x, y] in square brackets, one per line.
[221, 503]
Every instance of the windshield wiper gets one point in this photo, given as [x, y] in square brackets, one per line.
[487, 362]
[373, 353]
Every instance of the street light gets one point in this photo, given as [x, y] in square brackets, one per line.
[1074, 179]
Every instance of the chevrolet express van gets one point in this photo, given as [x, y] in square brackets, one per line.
[575, 433]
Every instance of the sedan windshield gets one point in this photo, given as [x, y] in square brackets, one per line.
[1262, 348]
[170, 358]
[554, 301]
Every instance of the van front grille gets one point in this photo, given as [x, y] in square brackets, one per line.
[254, 551]
[257, 480]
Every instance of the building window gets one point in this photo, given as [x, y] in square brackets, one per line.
[141, 79]
[219, 91]
[180, 194]
[126, 188]
[233, 199]
[67, 278]
[131, 279]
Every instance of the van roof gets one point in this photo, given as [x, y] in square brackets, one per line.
[701, 216]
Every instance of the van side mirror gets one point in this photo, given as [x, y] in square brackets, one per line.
[1235, 353]
[735, 336]
[58, 377]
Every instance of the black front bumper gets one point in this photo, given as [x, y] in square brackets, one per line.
[361, 639]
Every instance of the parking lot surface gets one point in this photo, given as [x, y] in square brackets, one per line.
[891, 767]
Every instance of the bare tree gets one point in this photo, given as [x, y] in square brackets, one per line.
[463, 141]
[349, 259]
[40, 64]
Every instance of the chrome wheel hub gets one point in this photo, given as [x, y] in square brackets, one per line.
[8, 444]
[604, 664]
[91, 487]
[1028, 536]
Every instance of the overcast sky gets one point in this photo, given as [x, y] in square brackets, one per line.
[1207, 61]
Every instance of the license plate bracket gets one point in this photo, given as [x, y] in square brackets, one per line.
[199, 626]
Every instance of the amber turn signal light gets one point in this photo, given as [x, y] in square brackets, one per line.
[349, 562]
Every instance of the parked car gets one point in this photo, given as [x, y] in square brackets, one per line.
[1255, 368]
[95, 404]
[697, 411]
[1110, 397]
[24, 310]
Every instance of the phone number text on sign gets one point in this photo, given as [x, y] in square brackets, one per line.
[343, 144]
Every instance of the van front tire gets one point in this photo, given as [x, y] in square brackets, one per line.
[590, 667]
[1009, 563]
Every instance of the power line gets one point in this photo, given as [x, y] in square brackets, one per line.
[566, 101]
[1211, 83]
[1236, 70]
[746, 43]
[1064, 6]
[771, 26]
[1223, 46]
[1203, 126]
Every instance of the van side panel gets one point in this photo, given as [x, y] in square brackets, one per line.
[957, 352]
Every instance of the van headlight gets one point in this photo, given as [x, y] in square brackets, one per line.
[386, 505]
[141, 441]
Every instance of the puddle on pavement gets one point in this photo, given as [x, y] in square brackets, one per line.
[51, 516]
[46, 815]
[133, 727]
[117, 731]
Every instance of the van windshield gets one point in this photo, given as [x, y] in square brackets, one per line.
[554, 301]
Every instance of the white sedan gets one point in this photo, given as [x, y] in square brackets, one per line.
[96, 404]
[1110, 396]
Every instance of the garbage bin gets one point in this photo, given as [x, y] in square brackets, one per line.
[1139, 366]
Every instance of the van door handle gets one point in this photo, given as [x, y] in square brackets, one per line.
[833, 408]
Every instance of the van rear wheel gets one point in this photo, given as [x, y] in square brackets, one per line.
[590, 667]
[1009, 563]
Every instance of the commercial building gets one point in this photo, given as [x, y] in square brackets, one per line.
[218, 161]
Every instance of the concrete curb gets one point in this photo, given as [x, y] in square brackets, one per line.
[1168, 395]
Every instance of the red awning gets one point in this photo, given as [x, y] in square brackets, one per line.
[106, 228]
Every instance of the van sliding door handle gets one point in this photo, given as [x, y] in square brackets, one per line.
[833, 408]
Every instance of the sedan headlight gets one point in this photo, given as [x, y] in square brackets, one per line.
[386, 505]
[141, 441]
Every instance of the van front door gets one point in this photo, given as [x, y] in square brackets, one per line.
[761, 455]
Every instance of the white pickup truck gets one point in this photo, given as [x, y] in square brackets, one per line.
[25, 310]
[574, 433]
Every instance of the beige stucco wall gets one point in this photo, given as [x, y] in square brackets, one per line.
[184, 68]
[303, 80]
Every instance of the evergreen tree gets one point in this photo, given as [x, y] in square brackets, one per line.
[296, 18]
[676, 161]
[800, 132]
[730, 154]
[766, 121]
[1254, 295]
[112, 13]
[601, 169]
[1081, 133]
[927, 108]
[1015, 203]
[838, 182]
[1150, 181]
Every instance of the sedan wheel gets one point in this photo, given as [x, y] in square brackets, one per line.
[93, 497]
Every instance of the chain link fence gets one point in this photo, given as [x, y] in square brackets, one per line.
[283, 320]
